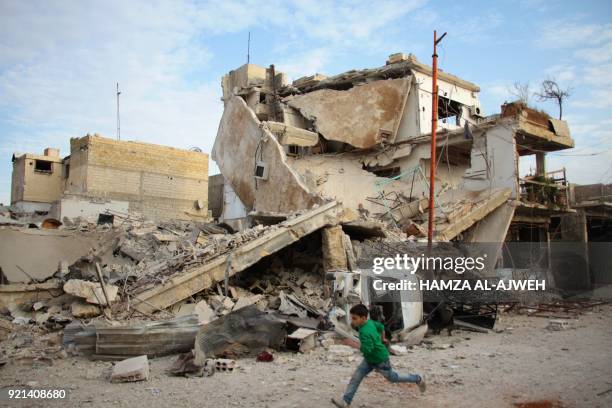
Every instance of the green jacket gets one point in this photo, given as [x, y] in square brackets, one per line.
[372, 347]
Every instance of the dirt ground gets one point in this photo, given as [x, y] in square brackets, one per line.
[522, 364]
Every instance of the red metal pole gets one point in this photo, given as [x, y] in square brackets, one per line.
[434, 125]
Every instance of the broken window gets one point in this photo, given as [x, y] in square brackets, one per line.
[455, 155]
[43, 166]
[449, 111]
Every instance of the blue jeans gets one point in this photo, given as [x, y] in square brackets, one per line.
[383, 368]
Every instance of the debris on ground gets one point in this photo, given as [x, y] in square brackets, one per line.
[131, 369]
[245, 331]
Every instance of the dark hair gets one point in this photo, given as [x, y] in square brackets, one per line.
[359, 310]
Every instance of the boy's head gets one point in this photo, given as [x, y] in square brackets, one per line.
[359, 315]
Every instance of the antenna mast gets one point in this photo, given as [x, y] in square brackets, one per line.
[249, 48]
[118, 117]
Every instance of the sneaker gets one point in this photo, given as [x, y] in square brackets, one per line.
[340, 403]
[422, 384]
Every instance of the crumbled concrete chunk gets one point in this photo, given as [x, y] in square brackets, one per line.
[132, 369]
[84, 310]
[165, 237]
[247, 300]
[90, 291]
[204, 312]
[220, 303]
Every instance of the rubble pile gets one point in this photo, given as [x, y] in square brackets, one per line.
[93, 298]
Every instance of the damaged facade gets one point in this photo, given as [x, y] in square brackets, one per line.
[102, 174]
[362, 138]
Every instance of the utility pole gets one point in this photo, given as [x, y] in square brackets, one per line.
[434, 125]
[118, 118]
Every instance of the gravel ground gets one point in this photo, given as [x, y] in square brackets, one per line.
[522, 363]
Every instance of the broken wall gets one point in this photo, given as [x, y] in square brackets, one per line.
[342, 178]
[494, 160]
[416, 118]
[242, 142]
[50, 247]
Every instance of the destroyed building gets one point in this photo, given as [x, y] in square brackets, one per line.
[586, 230]
[363, 138]
[322, 169]
[101, 174]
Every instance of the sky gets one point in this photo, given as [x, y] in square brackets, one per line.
[60, 62]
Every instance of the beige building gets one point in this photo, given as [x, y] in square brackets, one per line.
[37, 180]
[156, 181]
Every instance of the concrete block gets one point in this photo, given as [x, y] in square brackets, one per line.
[302, 339]
[132, 369]
[90, 291]
[225, 364]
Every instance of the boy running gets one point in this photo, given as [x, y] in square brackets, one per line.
[375, 356]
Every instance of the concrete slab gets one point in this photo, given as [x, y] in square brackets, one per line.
[362, 116]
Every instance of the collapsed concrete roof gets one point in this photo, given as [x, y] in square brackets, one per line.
[362, 138]
[362, 116]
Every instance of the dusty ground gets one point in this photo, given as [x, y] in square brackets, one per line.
[525, 362]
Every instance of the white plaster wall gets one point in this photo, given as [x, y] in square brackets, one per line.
[89, 209]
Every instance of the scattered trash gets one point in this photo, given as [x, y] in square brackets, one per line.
[265, 357]
[557, 325]
[185, 365]
[245, 331]
[398, 350]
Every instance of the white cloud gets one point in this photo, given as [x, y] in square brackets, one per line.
[307, 63]
[572, 33]
[588, 63]
[563, 73]
[596, 55]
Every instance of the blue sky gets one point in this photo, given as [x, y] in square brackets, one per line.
[60, 60]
